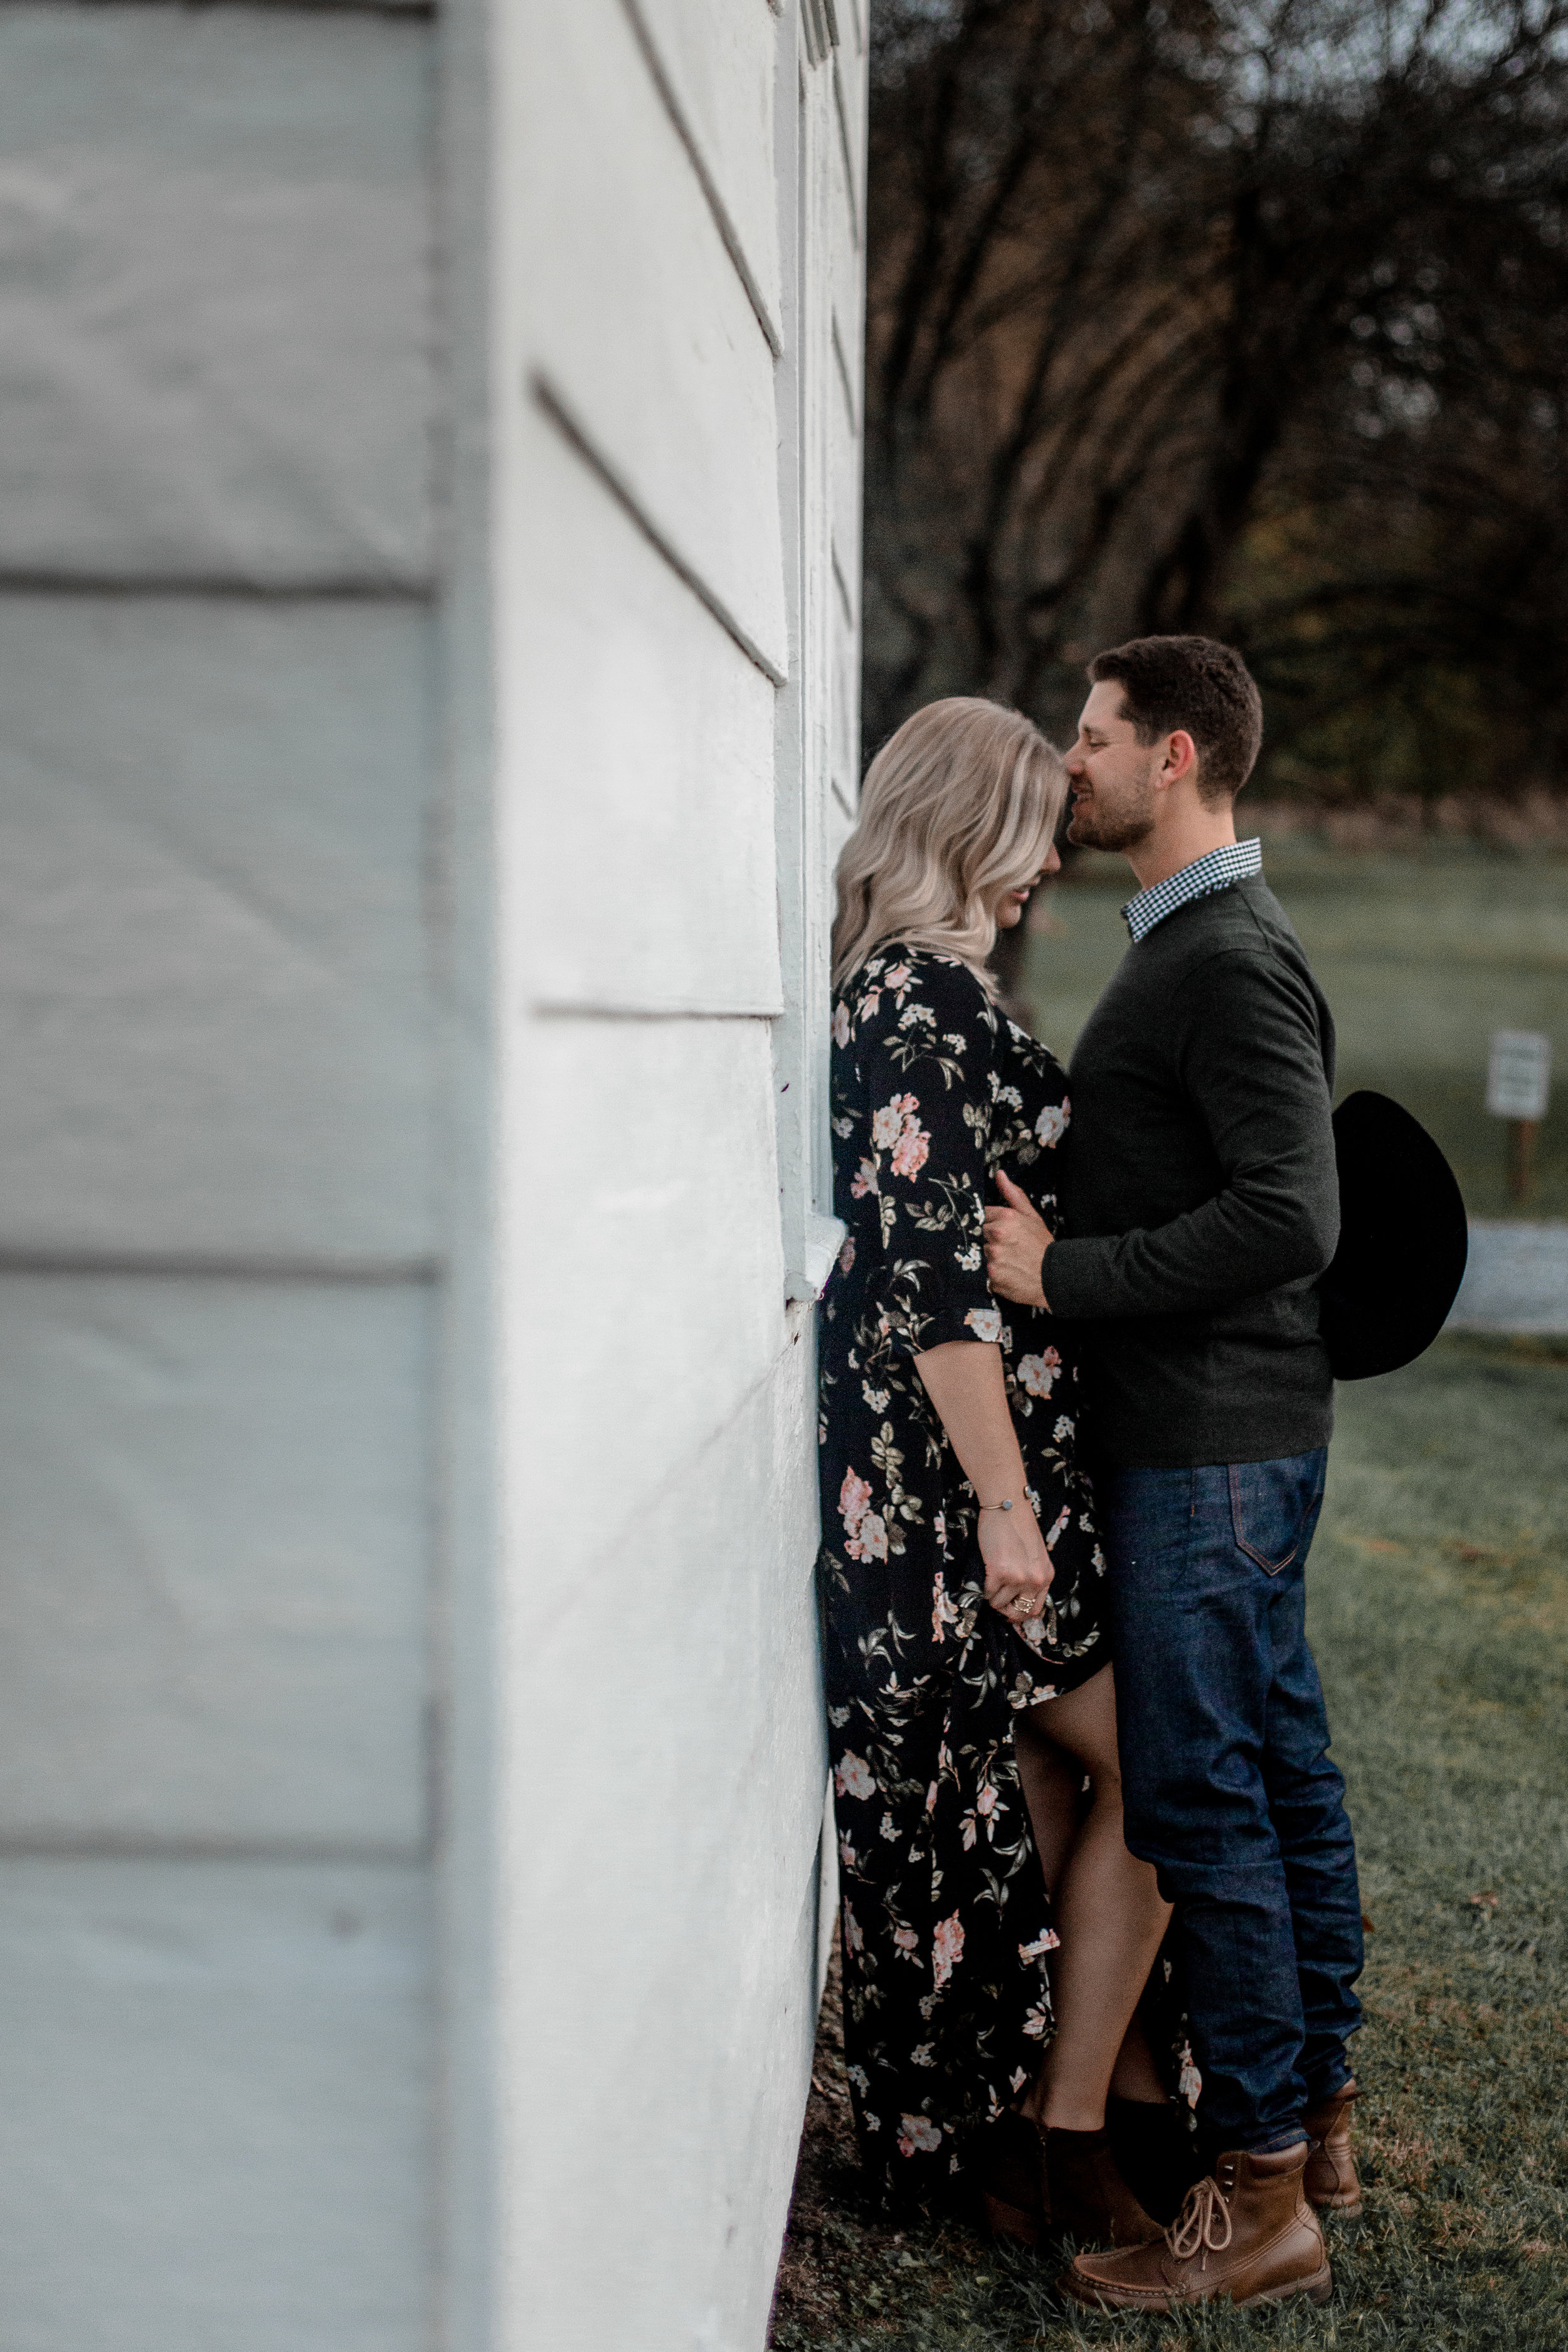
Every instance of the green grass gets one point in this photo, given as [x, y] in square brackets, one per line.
[1422, 954]
[1439, 1583]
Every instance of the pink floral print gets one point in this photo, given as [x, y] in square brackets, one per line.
[888, 1124]
[911, 1150]
[896, 1130]
[869, 1540]
[854, 1500]
[1190, 2082]
[945, 1611]
[865, 1530]
[1053, 1122]
[946, 1925]
[947, 1950]
[918, 2132]
[1037, 1373]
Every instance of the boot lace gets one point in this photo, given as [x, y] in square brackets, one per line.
[1196, 2227]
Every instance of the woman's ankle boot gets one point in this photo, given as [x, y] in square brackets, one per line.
[1156, 2152]
[1087, 2195]
[1012, 2179]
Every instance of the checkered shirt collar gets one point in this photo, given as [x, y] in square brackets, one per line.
[1216, 870]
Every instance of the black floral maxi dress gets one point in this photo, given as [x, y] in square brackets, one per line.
[945, 1921]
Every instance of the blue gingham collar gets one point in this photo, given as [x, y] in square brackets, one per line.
[1216, 870]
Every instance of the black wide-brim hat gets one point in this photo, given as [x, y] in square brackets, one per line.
[1403, 1240]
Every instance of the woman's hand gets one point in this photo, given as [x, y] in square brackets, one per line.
[1017, 1239]
[965, 1381]
[1018, 1568]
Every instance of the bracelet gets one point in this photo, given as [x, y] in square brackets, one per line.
[994, 1506]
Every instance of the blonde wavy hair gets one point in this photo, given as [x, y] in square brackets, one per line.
[958, 807]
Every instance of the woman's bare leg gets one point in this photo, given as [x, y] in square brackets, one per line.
[1109, 1912]
[1052, 1783]
[1135, 2076]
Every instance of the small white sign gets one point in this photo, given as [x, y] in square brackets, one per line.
[1519, 1075]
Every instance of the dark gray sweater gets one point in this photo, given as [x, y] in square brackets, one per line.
[1199, 1195]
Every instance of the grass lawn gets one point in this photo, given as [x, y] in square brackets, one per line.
[1420, 954]
[1440, 1583]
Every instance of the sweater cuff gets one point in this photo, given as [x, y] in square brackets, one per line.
[1074, 1275]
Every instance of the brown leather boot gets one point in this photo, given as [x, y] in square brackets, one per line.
[1155, 2152]
[1246, 2234]
[1085, 2194]
[1332, 2182]
[1012, 2179]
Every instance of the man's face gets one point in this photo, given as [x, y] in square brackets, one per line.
[1112, 775]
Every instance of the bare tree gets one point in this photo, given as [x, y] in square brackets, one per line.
[1246, 318]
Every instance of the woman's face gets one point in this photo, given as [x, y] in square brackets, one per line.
[1011, 904]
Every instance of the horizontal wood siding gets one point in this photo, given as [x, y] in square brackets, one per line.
[219, 864]
[676, 664]
[213, 1520]
[654, 1300]
[210, 2078]
[215, 326]
[718, 67]
[415, 837]
[649, 768]
[656, 357]
[663, 2001]
[214, 1007]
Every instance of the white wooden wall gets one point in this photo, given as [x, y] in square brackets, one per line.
[676, 481]
[429, 587]
[218, 1218]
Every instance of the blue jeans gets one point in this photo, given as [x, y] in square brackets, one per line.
[1226, 1784]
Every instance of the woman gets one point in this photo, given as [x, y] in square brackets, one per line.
[968, 1683]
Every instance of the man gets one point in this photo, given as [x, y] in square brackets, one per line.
[1200, 1206]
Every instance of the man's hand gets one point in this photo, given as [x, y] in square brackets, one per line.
[1017, 1239]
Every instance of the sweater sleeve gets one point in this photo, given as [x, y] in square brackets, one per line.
[1249, 1059]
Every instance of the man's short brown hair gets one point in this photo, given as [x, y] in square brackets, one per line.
[1197, 684]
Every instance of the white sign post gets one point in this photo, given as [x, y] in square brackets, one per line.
[1519, 1081]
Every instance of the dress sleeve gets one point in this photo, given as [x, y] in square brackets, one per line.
[926, 1046]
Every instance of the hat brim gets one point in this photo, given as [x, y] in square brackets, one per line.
[1403, 1240]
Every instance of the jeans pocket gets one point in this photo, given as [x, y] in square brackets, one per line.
[1274, 1507]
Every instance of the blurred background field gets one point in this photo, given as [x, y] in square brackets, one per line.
[1422, 953]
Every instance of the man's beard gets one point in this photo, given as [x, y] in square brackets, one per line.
[1120, 823]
